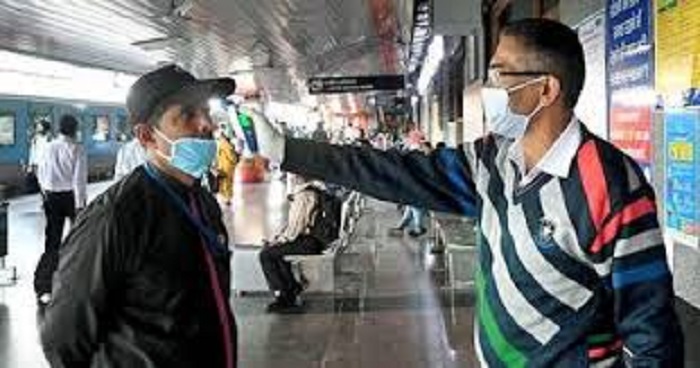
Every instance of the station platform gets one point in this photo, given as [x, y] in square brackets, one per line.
[398, 311]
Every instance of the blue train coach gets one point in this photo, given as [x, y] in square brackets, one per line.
[103, 129]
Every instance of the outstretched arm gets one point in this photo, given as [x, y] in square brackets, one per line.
[440, 181]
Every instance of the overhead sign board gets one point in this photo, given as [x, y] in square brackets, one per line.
[355, 84]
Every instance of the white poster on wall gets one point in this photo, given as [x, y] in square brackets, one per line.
[592, 107]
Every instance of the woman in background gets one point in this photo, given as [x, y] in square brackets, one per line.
[226, 160]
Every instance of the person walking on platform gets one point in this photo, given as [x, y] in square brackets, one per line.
[413, 216]
[62, 176]
[37, 149]
[143, 278]
[572, 268]
[41, 140]
[319, 134]
[226, 160]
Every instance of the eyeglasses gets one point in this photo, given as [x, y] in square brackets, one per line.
[495, 76]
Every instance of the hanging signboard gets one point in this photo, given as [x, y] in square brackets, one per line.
[630, 60]
[355, 84]
[682, 156]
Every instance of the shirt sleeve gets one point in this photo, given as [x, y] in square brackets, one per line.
[631, 247]
[33, 153]
[42, 169]
[80, 178]
[440, 181]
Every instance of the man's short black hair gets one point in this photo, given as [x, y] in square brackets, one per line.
[553, 48]
[68, 125]
[45, 126]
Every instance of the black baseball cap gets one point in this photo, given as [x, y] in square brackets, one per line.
[156, 87]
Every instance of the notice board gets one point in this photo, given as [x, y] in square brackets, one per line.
[682, 158]
[678, 51]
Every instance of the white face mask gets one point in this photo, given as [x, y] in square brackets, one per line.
[500, 118]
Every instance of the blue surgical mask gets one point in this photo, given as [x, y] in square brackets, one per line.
[193, 156]
[500, 118]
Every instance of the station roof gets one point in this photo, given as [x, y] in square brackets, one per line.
[283, 42]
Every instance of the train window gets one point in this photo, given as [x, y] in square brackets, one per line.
[122, 129]
[101, 129]
[7, 129]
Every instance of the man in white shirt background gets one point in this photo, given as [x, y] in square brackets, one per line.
[62, 175]
[40, 141]
[130, 156]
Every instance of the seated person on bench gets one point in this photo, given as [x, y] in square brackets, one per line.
[297, 237]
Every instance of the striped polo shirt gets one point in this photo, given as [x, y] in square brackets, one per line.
[572, 267]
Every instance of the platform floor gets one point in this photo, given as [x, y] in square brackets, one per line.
[392, 312]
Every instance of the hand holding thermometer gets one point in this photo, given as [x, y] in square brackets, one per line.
[262, 137]
[247, 128]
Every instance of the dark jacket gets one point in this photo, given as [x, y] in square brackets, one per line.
[134, 289]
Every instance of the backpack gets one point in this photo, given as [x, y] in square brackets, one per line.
[326, 219]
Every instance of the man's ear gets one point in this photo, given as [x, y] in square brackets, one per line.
[144, 133]
[552, 91]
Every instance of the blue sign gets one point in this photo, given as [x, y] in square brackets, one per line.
[630, 35]
[682, 128]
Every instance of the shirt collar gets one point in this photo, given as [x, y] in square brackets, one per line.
[65, 138]
[560, 156]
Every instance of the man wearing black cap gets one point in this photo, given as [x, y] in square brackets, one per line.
[143, 277]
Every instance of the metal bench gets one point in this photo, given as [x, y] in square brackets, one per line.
[247, 274]
[457, 236]
[317, 271]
